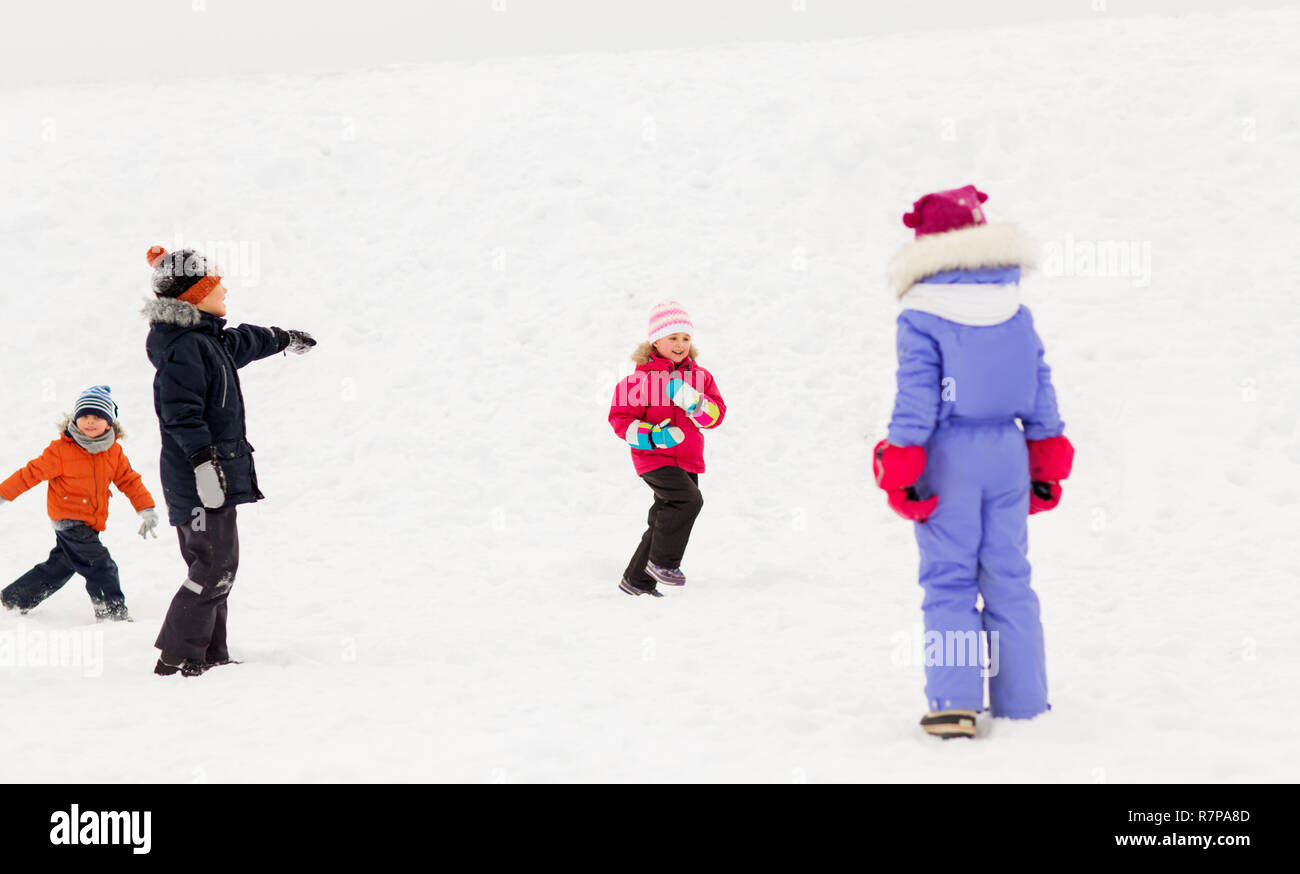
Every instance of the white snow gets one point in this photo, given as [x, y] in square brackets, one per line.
[430, 591]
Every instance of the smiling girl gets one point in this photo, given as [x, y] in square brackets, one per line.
[660, 411]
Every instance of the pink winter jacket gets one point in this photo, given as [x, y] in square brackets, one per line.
[642, 397]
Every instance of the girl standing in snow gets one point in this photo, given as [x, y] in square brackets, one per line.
[660, 410]
[207, 463]
[957, 463]
[80, 465]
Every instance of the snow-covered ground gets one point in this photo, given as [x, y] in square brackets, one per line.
[429, 593]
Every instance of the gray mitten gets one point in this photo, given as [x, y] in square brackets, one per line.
[148, 522]
[209, 478]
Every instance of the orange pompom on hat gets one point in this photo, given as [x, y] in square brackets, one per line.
[183, 274]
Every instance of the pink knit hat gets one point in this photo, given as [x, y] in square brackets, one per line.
[947, 211]
[669, 318]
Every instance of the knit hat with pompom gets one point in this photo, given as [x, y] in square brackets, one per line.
[183, 274]
[945, 211]
[96, 401]
[669, 318]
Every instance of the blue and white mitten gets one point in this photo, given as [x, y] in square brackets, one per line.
[700, 408]
[643, 435]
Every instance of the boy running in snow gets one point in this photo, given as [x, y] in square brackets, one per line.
[206, 465]
[957, 462]
[79, 466]
[660, 410]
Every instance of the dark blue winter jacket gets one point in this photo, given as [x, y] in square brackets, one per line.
[197, 398]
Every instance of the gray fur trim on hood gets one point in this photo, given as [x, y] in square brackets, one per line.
[66, 422]
[171, 311]
[91, 445]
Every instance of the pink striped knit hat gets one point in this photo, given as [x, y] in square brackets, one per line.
[669, 318]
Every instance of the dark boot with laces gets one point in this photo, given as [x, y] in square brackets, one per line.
[111, 612]
[169, 664]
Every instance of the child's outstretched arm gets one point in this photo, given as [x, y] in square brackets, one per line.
[43, 467]
[248, 343]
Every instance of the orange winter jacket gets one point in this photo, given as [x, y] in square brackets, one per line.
[79, 481]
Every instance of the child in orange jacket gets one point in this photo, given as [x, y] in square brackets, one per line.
[79, 466]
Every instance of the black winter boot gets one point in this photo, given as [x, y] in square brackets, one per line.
[111, 612]
[170, 664]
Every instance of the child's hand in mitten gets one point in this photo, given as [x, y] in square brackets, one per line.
[897, 468]
[666, 438]
[1043, 496]
[681, 394]
[643, 435]
[1050, 462]
[148, 522]
[297, 342]
[209, 478]
[699, 407]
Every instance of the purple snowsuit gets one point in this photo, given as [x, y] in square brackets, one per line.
[961, 390]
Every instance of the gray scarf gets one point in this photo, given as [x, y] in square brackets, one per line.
[98, 444]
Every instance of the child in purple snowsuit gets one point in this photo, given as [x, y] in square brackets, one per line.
[957, 462]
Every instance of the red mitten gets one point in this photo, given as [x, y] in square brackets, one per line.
[1050, 461]
[897, 468]
[906, 503]
[1043, 496]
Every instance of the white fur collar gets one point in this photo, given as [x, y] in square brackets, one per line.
[171, 311]
[979, 305]
[979, 246]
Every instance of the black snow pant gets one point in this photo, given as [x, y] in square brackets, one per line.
[77, 550]
[195, 625]
[672, 515]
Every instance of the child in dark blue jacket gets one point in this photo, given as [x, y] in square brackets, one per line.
[206, 465]
[971, 375]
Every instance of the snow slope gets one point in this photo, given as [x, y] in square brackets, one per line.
[430, 591]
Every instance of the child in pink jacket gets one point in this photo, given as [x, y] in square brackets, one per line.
[661, 411]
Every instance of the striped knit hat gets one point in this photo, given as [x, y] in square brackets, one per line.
[669, 318]
[95, 401]
[183, 274]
